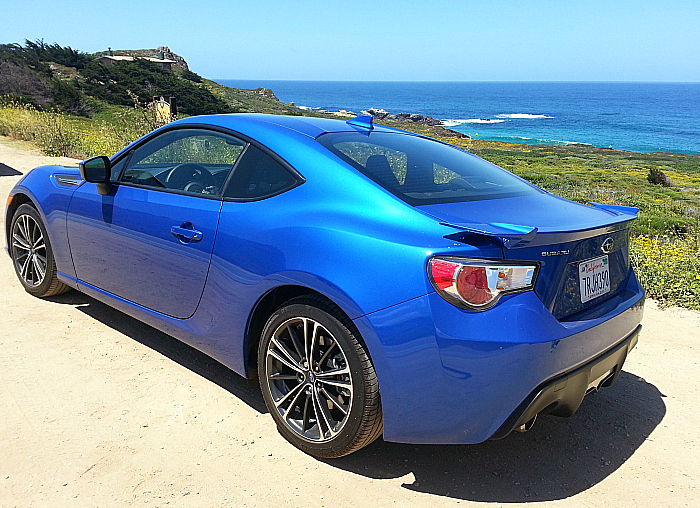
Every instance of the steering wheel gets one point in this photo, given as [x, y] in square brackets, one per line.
[193, 178]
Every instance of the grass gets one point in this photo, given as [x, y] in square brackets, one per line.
[54, 133]
[665, 247]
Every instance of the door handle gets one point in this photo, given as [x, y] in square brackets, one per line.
[186, 233]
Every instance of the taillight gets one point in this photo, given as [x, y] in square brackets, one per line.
[478, 284]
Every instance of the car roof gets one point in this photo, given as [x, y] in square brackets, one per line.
[309, 126]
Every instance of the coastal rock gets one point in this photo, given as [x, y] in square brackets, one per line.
[266, 92]
[159, 52]
[179, 61]
[342, 113]
[381, 114]
[435, 127]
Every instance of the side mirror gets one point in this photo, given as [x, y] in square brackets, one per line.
[97, 170]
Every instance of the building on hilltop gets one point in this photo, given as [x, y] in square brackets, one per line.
[161, 56]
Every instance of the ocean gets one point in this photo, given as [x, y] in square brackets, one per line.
[641, 117]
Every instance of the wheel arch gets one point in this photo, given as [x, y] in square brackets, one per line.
[18, 199]
[267, 305]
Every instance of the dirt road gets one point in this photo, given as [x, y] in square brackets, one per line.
[98, 409]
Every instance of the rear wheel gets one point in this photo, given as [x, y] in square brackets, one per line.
[31, 253]
[318, 380]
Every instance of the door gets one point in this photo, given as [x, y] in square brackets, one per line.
[150, 239]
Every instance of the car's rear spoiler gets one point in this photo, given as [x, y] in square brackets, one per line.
[514, 236]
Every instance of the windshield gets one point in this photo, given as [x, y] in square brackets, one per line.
[422, 171]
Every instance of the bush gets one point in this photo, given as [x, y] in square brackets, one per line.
[61, 135]
[21, 81]
[669, 268]
[147, 79]
[658, 177]
[191, 76]
[68, 97]
[46, 129]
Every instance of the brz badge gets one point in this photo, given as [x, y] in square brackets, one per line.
[607, 246]
[555, 253]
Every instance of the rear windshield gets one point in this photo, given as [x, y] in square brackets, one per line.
[422, 171]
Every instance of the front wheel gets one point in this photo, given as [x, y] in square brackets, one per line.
[31, 253]
[317, 379]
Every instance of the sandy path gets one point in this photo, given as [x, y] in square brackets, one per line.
[98, 409]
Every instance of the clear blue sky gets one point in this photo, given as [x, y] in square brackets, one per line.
[486, 40]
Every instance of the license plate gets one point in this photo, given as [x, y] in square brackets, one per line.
[594, 276]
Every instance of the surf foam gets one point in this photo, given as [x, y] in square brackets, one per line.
[522, 116]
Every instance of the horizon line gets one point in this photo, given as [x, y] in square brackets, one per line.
[459, 81]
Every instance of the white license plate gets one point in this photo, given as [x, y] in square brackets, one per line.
[594, 276]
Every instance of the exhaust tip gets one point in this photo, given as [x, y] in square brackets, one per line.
[526, 426]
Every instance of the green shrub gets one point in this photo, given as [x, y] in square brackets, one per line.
[658, 177]
[669, 268]
[147, 80]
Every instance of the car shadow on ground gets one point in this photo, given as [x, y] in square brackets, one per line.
[558, 458]
[177, 351]
[6, 170]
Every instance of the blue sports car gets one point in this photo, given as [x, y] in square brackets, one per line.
[375, 281]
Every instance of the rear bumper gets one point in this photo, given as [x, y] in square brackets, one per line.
[452, 376]
[563, 395]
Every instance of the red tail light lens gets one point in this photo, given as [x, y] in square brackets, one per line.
[478, 284]
[473, 286]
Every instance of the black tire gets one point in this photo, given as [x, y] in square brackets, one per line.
[32, 255]
[329, 406]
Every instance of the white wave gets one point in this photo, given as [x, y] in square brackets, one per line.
[522, 116]
[307, 108]
[453, 123]
[557, 142]
[536, 141]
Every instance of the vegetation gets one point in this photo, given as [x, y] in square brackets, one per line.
[66, 80]
[57, 133]
[119, 82]
[68, 104]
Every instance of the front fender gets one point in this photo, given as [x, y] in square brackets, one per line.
[51, 200]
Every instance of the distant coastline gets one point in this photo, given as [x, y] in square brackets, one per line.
[639, 117]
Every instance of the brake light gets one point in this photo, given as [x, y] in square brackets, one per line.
[478, 284]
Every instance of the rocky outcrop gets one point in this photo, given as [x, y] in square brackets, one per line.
[381, 114]
[161, 52]
[266, 92]
[179, 61]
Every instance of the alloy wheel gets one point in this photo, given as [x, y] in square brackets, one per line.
[29, 250]
[309, 379]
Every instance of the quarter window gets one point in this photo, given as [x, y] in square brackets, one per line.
[194, 161]
[257, 176]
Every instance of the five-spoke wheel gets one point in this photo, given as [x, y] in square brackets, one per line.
[317, 379]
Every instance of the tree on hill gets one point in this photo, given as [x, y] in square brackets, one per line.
[26, 74]
[147, 79]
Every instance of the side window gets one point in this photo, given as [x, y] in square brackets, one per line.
[258, 175]
[195, 161]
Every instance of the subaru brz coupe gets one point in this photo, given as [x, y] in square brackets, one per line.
[375, 281]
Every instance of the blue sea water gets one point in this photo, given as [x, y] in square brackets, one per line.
[641, 117]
